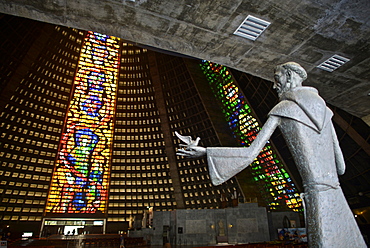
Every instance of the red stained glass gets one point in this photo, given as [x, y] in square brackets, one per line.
[80, 180]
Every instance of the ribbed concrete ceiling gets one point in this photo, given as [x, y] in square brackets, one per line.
[307, 31]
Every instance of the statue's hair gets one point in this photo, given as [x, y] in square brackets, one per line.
[295, 67]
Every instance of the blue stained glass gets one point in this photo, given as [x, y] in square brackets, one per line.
[245, 127]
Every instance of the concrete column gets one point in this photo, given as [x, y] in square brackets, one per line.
[166, 129]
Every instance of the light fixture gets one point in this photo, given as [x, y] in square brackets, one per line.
[333, 63]
[251, 28]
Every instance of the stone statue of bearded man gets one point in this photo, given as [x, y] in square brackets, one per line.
[305, 122]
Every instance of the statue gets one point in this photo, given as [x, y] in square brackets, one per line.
[305, 123]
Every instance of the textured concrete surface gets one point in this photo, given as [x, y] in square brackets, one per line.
[193, 227]
[233, 225]
[308, 32]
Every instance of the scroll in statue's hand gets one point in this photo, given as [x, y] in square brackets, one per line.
[191, 150]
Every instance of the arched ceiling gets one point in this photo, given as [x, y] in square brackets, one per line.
[308, 32]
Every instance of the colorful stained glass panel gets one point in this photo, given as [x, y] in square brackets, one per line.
[278, 186]
[81, 176]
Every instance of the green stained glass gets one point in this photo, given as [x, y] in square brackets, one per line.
[245, 127]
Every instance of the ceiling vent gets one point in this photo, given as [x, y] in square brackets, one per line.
[333, 63]
[251, 28]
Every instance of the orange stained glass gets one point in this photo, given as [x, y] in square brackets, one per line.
[80, 179]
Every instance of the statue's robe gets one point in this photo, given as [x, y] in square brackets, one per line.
[305, 122]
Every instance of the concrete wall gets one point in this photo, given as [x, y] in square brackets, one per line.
[246, 223]
[198, 226]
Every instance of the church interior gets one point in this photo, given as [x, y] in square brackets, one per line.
[92, 94]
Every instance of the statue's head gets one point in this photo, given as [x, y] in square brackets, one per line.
[287, 76]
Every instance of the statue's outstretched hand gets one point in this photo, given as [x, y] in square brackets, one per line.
[191, 150]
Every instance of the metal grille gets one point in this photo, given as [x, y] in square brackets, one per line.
[333, 63]
[251, 28]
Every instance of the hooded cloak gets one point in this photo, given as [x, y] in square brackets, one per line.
[309, 108]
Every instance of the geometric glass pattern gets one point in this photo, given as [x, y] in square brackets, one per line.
[266, 168]
[140, 174]
[81, 176]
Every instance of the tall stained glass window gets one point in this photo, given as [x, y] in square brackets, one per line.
[267, 168]
[81, 175]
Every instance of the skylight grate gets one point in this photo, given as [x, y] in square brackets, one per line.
[333, 63]
[251, 28]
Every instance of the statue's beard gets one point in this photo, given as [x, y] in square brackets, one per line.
[281, 92]
[281, 96]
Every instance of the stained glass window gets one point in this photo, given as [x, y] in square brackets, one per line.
[278, 185]
[81, 176]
